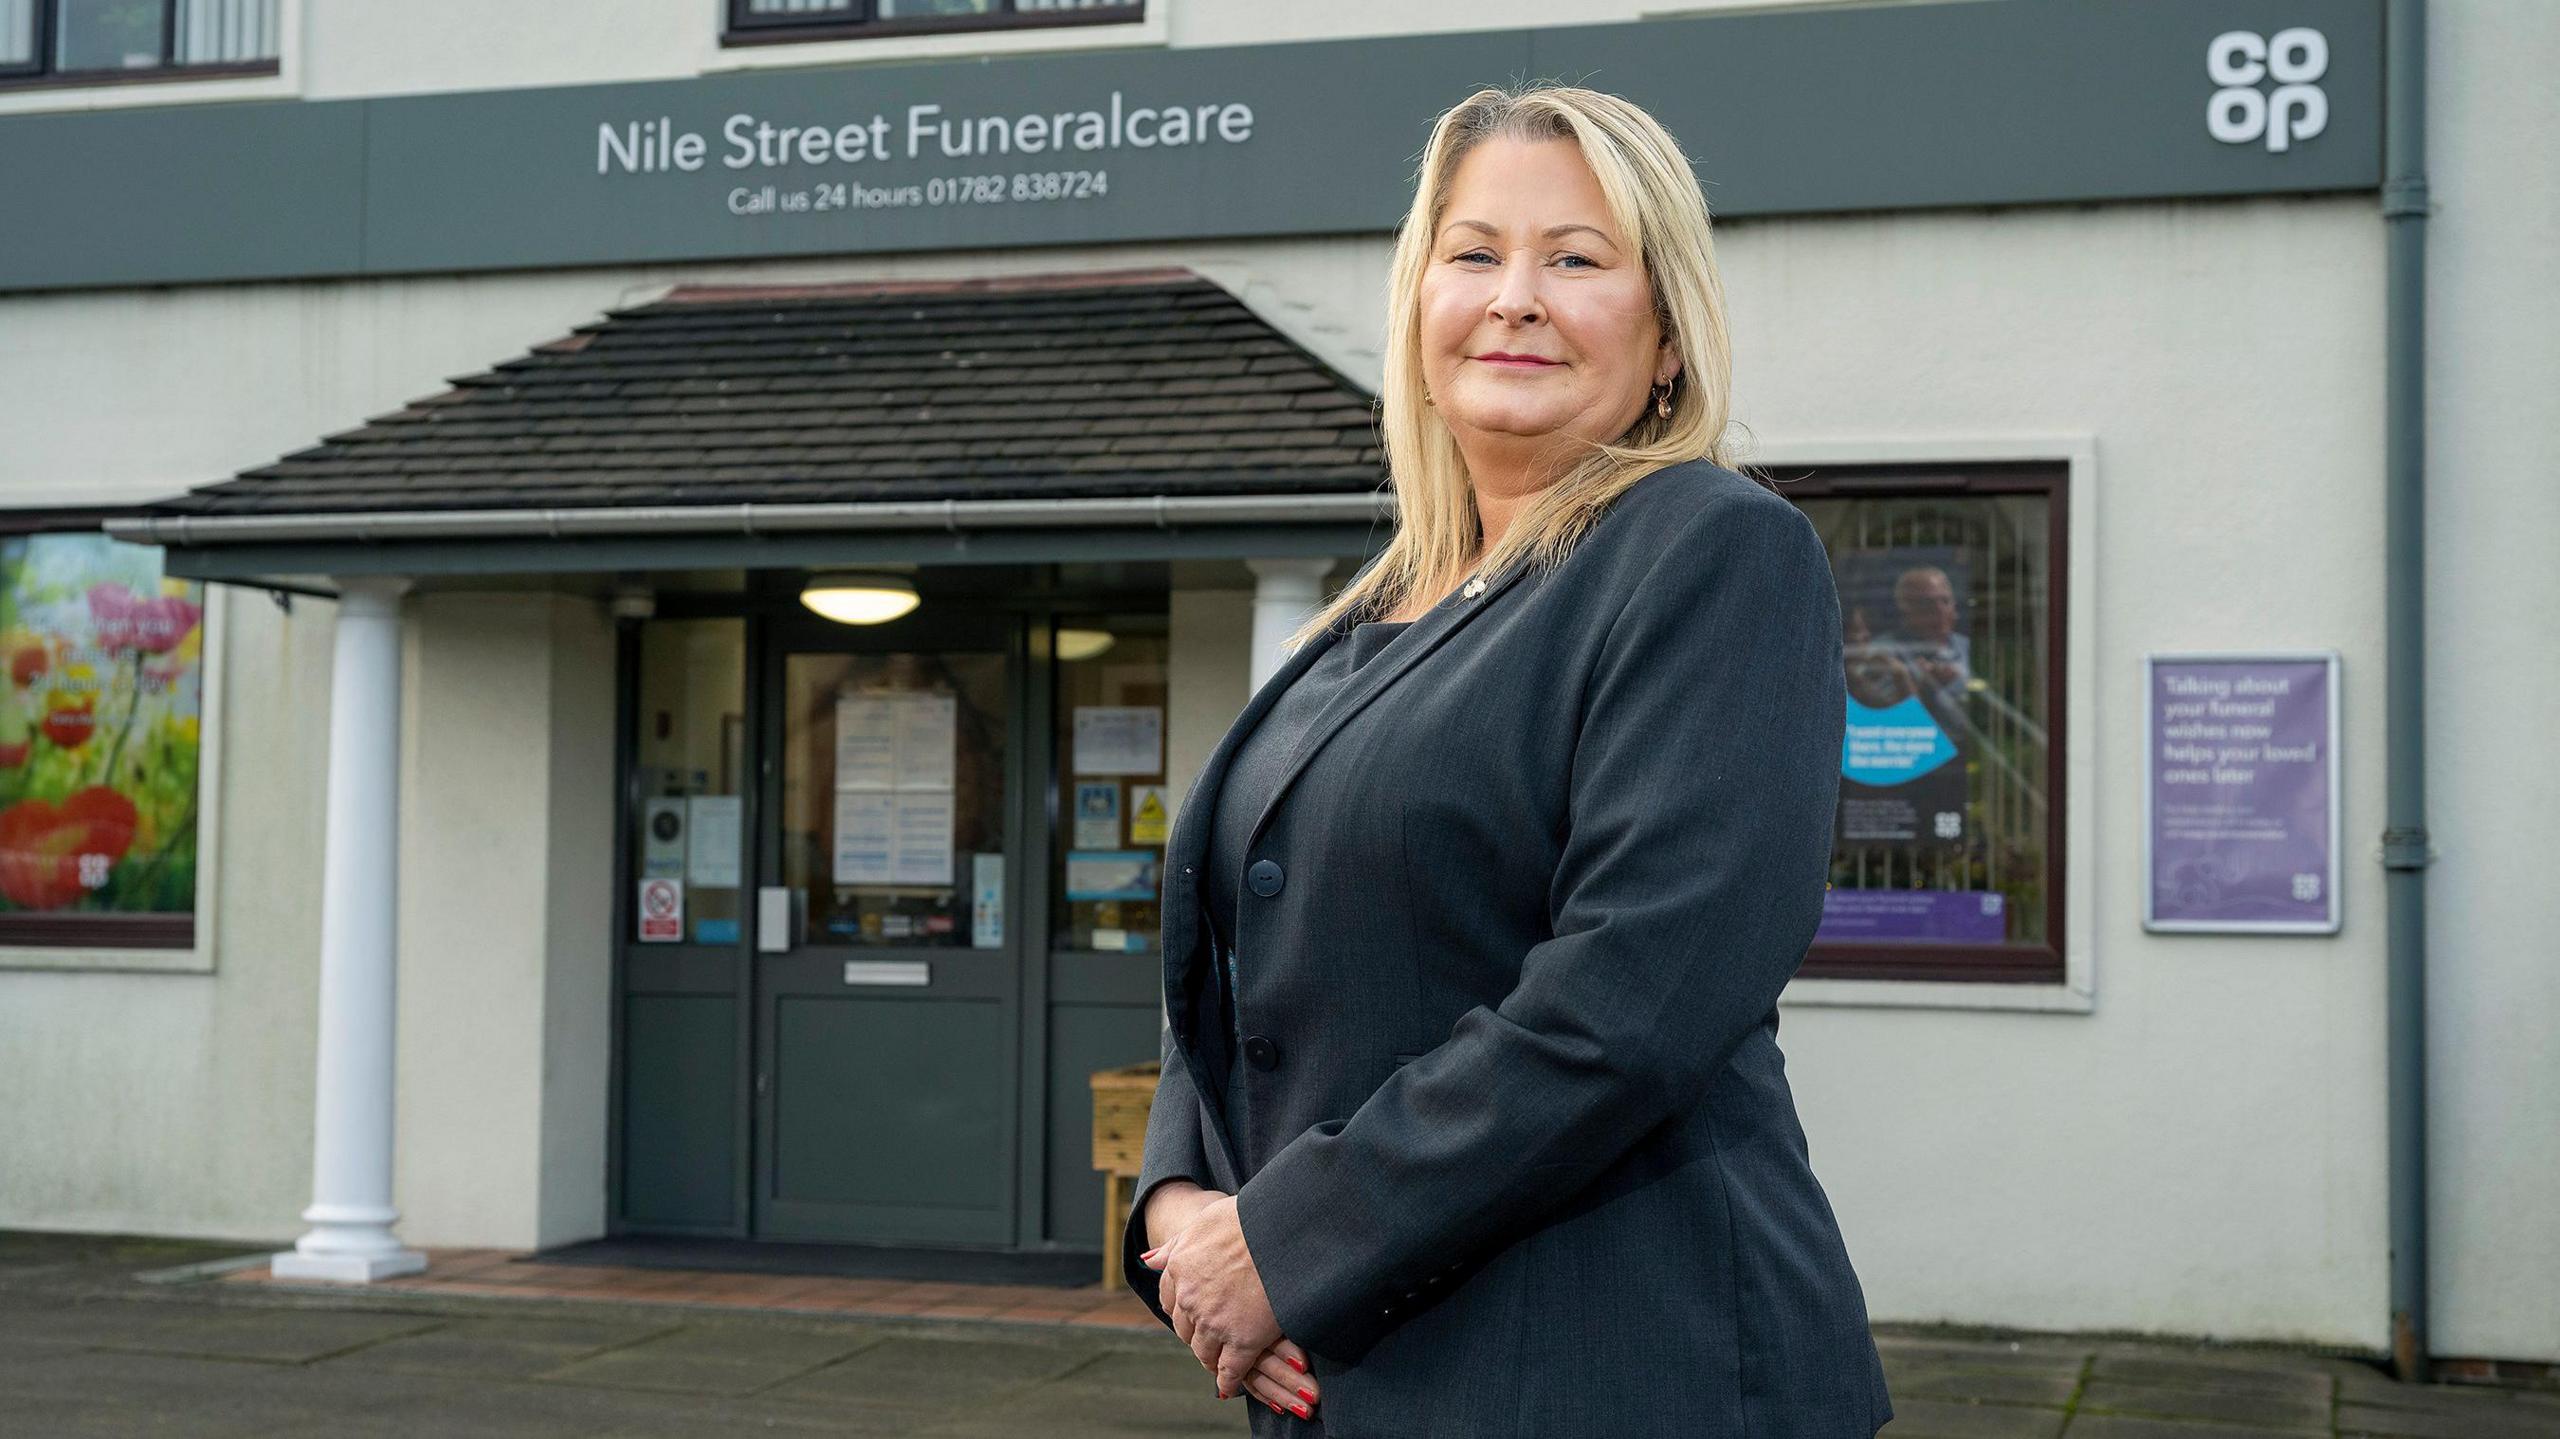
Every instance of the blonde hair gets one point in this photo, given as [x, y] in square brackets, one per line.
[1654, 200]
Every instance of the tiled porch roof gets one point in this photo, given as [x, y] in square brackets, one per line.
[1134, 382]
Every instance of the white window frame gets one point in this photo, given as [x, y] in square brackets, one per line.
[2077, 992]
[198, 959]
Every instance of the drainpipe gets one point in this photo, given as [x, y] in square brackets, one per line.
[2404, 840]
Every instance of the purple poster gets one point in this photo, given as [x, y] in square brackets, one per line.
[1941, 916]
[2242, 793]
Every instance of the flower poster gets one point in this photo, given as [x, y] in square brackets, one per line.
[98, 727]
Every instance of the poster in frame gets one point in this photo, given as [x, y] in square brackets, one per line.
[2240, 792]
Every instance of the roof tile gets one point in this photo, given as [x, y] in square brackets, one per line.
[1110, 383]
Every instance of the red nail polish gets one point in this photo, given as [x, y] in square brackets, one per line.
[1307, 1394]
[1301, 1408]
[1275, 1408]
[1298, 1364]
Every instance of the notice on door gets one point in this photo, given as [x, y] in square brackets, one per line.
[713, 859]
[1148, 815]
[1098, 814]
[893, 837]
[1119, 739]
[896, 759]
[661, 918]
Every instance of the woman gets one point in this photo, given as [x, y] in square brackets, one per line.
[1473, 1120]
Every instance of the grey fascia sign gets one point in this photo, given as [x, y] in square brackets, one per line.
[1890, 107]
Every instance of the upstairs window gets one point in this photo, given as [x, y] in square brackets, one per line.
[754, 22]
[90, 41]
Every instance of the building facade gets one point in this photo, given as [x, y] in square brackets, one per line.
[424, 770]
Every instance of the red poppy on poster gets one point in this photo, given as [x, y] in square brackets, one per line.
[99, 726]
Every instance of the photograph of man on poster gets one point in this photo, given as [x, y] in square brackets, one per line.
[1909, 670]
[1925, 652]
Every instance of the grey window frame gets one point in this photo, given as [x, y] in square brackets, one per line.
[37, 72]
[860, 20]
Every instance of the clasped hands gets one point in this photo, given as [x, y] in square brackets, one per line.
[1214, 1295]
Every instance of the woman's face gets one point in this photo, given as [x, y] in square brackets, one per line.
[1527, 263]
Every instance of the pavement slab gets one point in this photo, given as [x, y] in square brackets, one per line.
[734, 1360]
[1943, 1419]
[2277, 1377]
[2289, 1410]
[2131, 1426]
[86, 1350]
[500, 1348]
[112, 1393]
[2051, 1389]
[274, 1336]
[928, 1371]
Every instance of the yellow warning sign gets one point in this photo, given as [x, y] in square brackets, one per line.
[1146, 814]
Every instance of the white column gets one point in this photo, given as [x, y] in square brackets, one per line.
[351, 1215]
[1285, 592]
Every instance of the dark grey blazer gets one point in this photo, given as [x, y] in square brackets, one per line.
[1522, 1159]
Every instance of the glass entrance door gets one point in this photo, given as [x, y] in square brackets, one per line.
[887, 965]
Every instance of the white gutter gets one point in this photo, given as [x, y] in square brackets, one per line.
[749, 518]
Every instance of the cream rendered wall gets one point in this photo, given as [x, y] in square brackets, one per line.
[2202, 1151]
[506, 979]
[181, 1103]
[2493, 440]
[1207, 679]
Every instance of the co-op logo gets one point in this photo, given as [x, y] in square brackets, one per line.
[2295, 109]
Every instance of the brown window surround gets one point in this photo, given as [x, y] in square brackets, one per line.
[742, 28]
[87, 931]
[2033, 962]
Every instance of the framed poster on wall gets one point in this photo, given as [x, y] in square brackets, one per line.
[2240, 793]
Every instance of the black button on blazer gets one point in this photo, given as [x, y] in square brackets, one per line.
[1531, 1166]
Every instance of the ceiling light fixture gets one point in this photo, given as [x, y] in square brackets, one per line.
[860, 597]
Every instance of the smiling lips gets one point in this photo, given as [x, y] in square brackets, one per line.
[1523, 362]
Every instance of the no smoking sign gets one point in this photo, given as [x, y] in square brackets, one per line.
[661, 910]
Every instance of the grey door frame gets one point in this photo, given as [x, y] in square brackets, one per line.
[704, 970]
[1033, 799]
[931, 628]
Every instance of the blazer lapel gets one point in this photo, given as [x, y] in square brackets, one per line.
[1190, 846]
[1189, 842]
[1188, 851]
[1429, 632]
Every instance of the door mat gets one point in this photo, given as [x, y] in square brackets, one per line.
[1068, 1269]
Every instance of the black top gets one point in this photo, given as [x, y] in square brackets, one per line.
[1254, 772]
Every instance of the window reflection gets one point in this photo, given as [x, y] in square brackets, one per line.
[1114, 807]
[1943, 831]
[893, 797]
[691, 773]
